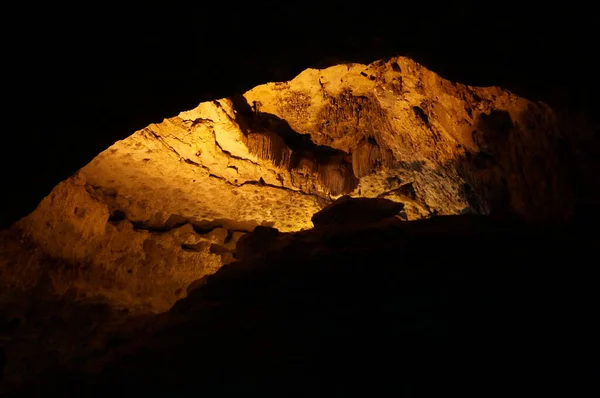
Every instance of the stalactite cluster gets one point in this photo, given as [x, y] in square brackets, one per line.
[368, 156]
[338, 173]
[269, 146]
[337, 176]
[305, 163]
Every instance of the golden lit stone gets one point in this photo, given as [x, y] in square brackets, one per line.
[166, 205]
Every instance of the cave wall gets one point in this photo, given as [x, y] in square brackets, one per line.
[462, 148]
[165, 206]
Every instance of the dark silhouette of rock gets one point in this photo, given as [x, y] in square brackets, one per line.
[417, 308]
[347, 210]
[256, 242]
[197, 283]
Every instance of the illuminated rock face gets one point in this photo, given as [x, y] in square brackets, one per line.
[166, 206]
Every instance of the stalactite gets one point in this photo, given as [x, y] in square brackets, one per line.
[269, 146]
[368, 156]
[337, 177]
[307, 165]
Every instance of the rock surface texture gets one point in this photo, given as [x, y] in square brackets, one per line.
[166, 206]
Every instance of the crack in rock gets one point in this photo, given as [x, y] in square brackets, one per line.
[162, 141]
[260, 182]
[226, 152]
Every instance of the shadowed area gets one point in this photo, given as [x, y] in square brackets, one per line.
[383, 306]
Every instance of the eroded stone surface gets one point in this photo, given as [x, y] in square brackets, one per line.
[165, 206]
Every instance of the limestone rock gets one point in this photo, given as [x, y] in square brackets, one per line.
[167, 205]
